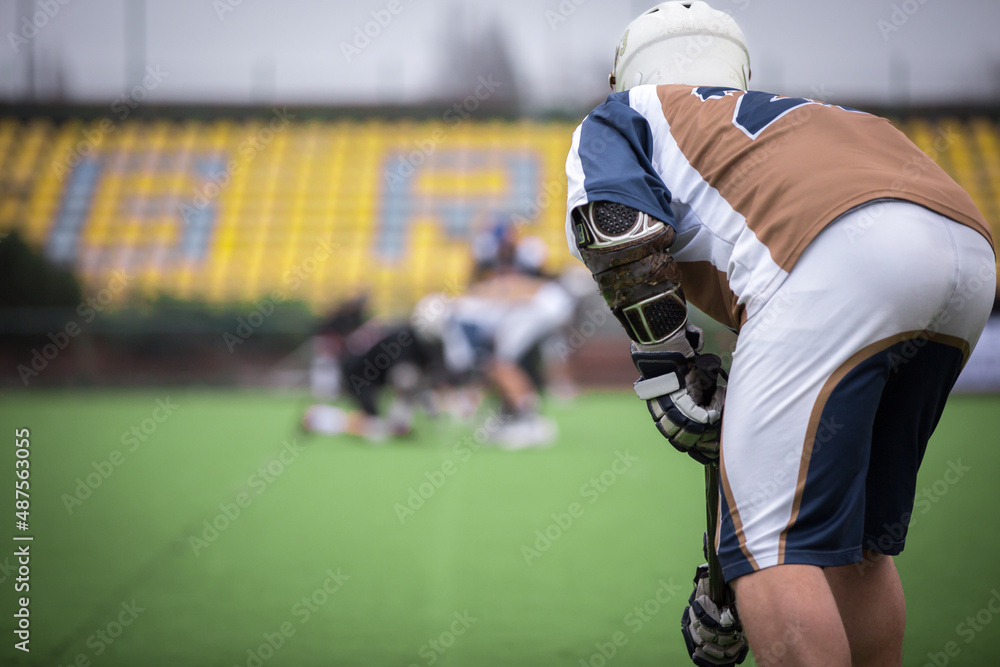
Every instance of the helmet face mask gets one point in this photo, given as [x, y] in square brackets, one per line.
[681, 42]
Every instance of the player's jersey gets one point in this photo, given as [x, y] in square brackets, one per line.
[504, 317]
[748, 179]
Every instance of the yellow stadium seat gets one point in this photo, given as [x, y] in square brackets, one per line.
[200, 213]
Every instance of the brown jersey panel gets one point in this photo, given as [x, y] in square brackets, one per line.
[708, 289]
[807, 167]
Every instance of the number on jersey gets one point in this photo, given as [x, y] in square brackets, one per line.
[756, 111]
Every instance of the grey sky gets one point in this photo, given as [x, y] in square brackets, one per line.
[290, 50]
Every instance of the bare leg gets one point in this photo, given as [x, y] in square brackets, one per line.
[870, 598]
[514, 386]
[791, 617]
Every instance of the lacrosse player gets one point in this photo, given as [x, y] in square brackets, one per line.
[495, 330]
[362, 359]
[859, 277]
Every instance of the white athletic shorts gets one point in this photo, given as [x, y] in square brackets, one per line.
[839, 380]
[507, 330]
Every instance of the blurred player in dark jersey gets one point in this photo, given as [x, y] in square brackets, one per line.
[371, 363]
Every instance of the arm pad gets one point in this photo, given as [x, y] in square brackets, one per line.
[626, 251]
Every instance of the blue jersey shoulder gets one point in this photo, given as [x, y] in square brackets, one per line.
[616, 153]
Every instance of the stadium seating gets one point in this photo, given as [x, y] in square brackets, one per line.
[318, 210]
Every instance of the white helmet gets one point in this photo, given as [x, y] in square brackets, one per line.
[530, 254]
[682, 42]
[430, 316]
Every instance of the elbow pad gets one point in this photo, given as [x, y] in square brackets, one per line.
[626, 250]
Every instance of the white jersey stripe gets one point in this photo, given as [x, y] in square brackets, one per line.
[721, 235]
[576, 195]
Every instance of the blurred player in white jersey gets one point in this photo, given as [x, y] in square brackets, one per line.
[858, 275]
[497, 329]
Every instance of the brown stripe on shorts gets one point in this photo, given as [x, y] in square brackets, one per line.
[734, 513]
[824, 395]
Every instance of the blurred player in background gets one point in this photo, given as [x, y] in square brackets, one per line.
[494, 335]
[849, 263]
[498, 329]
[495, 331]
[366, 360]
[499, 251]
[553, 359]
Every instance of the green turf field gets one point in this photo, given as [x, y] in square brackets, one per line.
[327, 561]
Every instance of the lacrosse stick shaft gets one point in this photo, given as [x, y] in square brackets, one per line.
[717, 585]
